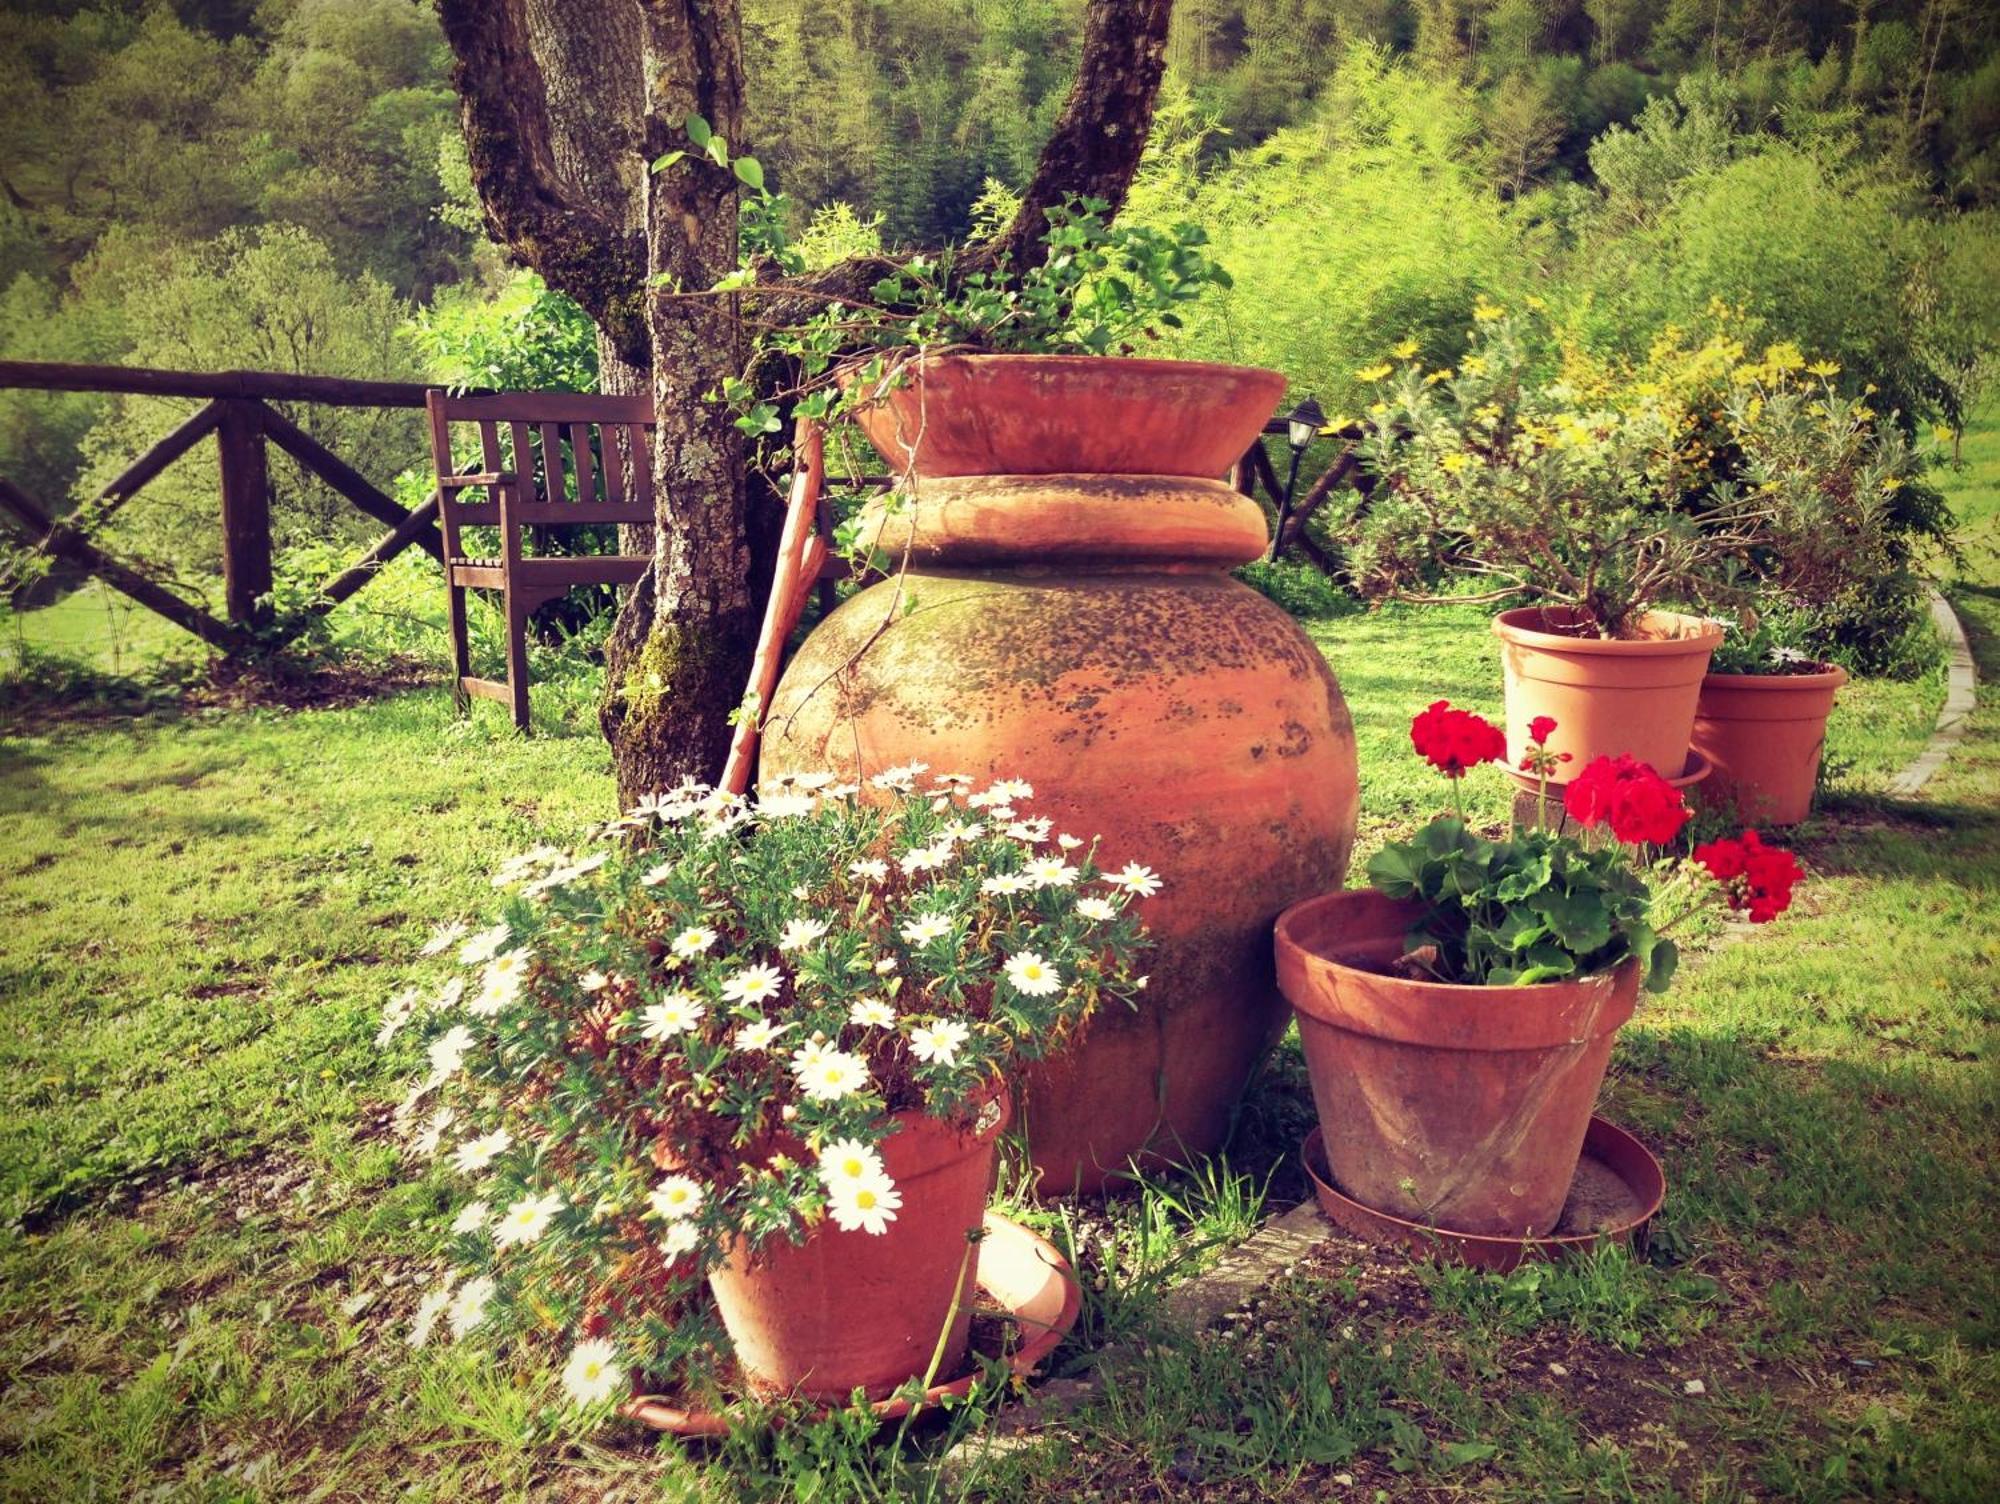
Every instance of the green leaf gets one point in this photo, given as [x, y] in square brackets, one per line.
[1395, 870]
[1578, 920]
[1459, 1453]
[662, 163]
[697, 130]
[1661, 965]
[718, 151]
[750, 171]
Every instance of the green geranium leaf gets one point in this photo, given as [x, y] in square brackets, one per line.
[1396, 870]
[1578, 920]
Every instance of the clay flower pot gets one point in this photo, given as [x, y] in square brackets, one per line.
[1448, 1106]
[856, 1310]
[1632, 694]
[1067, 618]
[1764, 734]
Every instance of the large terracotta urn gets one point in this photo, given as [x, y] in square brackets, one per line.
[1063, 613]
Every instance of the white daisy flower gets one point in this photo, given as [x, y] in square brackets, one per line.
[899, 779]
[676, 1197]
[939, 1042]
[884, 966]
[1068, 842]
[649, 807]
[593, 981]
[1099, 909]
[841, 790]
[753, 984]
[444, 937]
[517, 867]
[475, 1154]
[926, 927]
[657, 875]
[760, 1035]
[873, 869]
[447, 1051]
[812, 782]
[692, 941]
[848, 1159]
[468, 1306]
[592, 1374]
[785, 806]
[395, 1013]
[1007, 790]
[526, 1220]
[1134, 878]
[449, 996]
[1031, 976]
[432, 1136]
[471, 1218]
[1030, 831]
[485, 945]
[432, 1306]
[962, 830]
[1050, 872]
[676, 1013]
[829, 1075]
[799, 933]
[863, 1206]
[927, 858]
[680, 1239]
[953, 780]
[872, 1013]
[1004, 883]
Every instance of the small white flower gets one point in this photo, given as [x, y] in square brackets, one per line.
[1140, 985]
[841, 790]
[1051, 872]
[443, 938]
[863, 1206]
[658, 875]
[485, 945]
[953, 780]
[939, 1042]
[753, 984]
[1007, 790]
[1134, 878]
[432, 1306]
[449, 996]
[475, 1154]
[676, 1197]
[760, 1035]
[927, 927]
[1031, 976]
[962, 830]
[471, 1218]
[680, 1239]
[432, 1136]
[395, 1013]
[1099, 909]
[676, 1013]
[515, 868]
[1030, 831]
[1004, 883]
[873, 869]
[812, 782]
[526, 1220]
[1068, 842]
[925, 858]
[799, 933]
[447, 1051]
[468, 1306]
[850, 1160]
[592, 1374]
[884, 966]
[872, 1013]
[829, 1075]
[693, 940]
[566, 874]
[785, 806]
[900, 779]
[593, 981]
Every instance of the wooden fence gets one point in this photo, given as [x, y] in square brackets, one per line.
[237, 413]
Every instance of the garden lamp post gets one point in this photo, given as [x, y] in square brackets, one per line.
[1301, 425]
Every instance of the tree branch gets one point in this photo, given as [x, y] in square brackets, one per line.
[503, 103]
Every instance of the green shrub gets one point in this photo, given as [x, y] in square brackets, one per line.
[1302, 589]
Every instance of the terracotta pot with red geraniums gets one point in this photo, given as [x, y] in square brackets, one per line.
[1633, 693]
[725, 1091]
[1457, 1019]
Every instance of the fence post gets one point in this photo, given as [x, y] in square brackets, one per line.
[246, 509]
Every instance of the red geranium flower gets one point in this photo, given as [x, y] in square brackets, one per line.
[1756, 878]
[1540, 727]
[1638, 804]
[1453, 740]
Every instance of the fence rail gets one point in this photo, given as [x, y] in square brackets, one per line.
[238, 415]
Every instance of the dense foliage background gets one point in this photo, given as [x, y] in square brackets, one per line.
[280, 183]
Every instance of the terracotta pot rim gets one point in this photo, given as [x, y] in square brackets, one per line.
[1511, 626]
[1826, 676]
[1415, 991]
[1145, 364]
[1697, 767]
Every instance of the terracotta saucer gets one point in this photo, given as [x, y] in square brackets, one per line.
[1619, 1187]
[1026, 1283]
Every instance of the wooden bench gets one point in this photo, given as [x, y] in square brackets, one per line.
[543, 460]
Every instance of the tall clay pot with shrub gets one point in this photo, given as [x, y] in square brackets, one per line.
[1458, 1017]
[1761, 723]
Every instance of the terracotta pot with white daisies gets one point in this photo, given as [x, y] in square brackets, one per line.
[722, 1096]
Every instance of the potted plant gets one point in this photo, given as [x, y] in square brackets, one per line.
[1761, 723]
[1458, 1015]
[723, 1094]
[1055, 551]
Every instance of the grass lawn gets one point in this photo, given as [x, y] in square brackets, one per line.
[209, 1240]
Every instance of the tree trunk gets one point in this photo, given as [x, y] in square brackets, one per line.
[565, 102]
